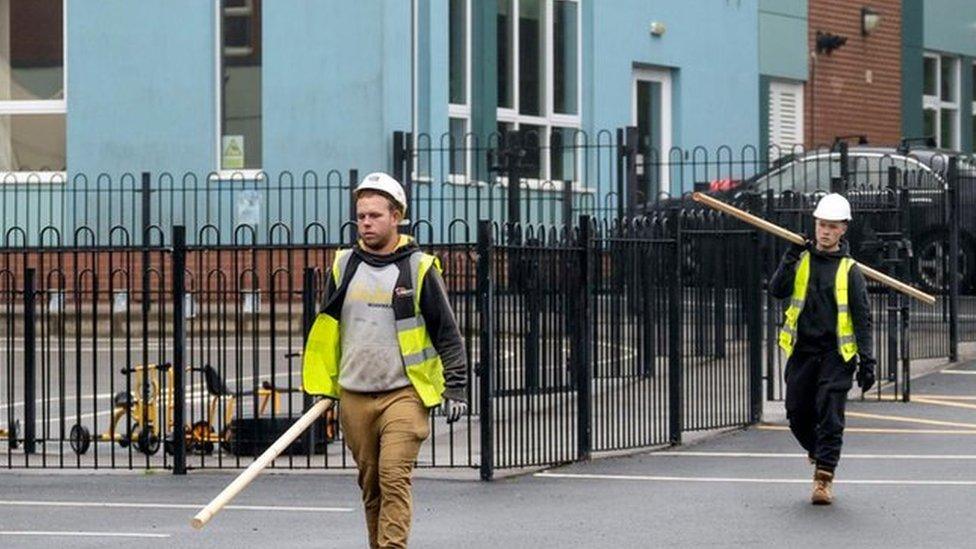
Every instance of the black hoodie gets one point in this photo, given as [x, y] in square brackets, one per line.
[434, 307]
[817, 327]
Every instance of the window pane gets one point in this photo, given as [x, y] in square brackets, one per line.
[948, 79]
[565, 40]
[930, 76]
[948, 128]
[241, 93]
[531, 63]
[504, 37]
[32, 142]
[31, 50]
[458, 154]
[929, 123]
[649, 116]
[458, 51]
[561, 154]
[533, 140]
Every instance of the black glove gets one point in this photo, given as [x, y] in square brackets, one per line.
[865, 374]
[792, 254]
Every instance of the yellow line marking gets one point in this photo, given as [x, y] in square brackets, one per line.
[881, 431]
[940, 402]
[921, 421]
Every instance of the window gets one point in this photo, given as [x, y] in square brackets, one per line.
[239, 85]
[32, 90]
[459, 110]
[940, 100]
[539, 81]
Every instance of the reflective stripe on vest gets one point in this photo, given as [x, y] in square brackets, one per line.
[846, 342]
[422, 364]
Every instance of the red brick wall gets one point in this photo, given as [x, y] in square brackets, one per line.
[839, 98]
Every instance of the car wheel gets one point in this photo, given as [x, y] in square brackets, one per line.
[932, 262]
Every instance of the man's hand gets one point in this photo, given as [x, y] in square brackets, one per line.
[453, 409]
[865, 374]
[792, 254]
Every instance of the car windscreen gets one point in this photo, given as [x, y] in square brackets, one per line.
[807, 174]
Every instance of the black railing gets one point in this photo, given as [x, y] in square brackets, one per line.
[585, 331]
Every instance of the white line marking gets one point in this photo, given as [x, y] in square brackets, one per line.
[652, 478]
[905, 419]
[84, 534]
[116, 505]
[883, 431]
[960, 372]
[804, 456]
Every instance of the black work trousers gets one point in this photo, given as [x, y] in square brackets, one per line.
[816, 393]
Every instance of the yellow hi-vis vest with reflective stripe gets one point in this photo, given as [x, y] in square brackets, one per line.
[846, 343]
[321, 358]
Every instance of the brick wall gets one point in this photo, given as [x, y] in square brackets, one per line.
[856, 89]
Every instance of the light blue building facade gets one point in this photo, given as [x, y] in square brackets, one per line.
[244, 89]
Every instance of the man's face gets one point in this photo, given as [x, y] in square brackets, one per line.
[376, 223]
[829, 234]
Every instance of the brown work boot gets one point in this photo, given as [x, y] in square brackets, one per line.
[822, 487]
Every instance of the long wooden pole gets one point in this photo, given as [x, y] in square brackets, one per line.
[245, 478]
[799, 239]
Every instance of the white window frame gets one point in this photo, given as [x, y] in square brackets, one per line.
[463, 110]
[662, 77]
[42, 106]
[550, 119]
[937, 104]
[222, 174]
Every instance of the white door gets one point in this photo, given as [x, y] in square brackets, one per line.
[652, 116]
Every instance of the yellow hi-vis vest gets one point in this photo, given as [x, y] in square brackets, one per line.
[846, 343]
[321, 358]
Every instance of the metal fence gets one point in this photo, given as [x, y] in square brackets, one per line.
[598, 315]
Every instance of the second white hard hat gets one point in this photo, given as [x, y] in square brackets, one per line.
[379, 181]
[833, 207]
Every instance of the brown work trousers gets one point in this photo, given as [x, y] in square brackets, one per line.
[384, 432]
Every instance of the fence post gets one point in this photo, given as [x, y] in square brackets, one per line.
[353, 180]
[558, 146]
[953, 263]
[891, 253]
[309, 311]
[486, 357]
[30, 360]
[845, 168]
[621, 167]
[631, 151]
[584, 419]
[512, 147]
[179, 350]
[771, 346]
[403, 162]
[675, 306]
[753, 292]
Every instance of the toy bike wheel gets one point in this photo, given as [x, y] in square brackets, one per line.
[80, 439]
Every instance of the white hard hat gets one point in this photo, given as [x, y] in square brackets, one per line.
[379, 181]
[833, 207]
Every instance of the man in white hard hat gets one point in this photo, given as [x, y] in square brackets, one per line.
[826, 337]
[388, 344]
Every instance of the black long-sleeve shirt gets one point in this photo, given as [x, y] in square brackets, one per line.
[817, 327]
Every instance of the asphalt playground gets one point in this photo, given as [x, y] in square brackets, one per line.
[907, 479]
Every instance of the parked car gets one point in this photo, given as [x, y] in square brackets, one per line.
[801, 178]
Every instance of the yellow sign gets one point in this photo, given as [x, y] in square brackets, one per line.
[232, 152]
